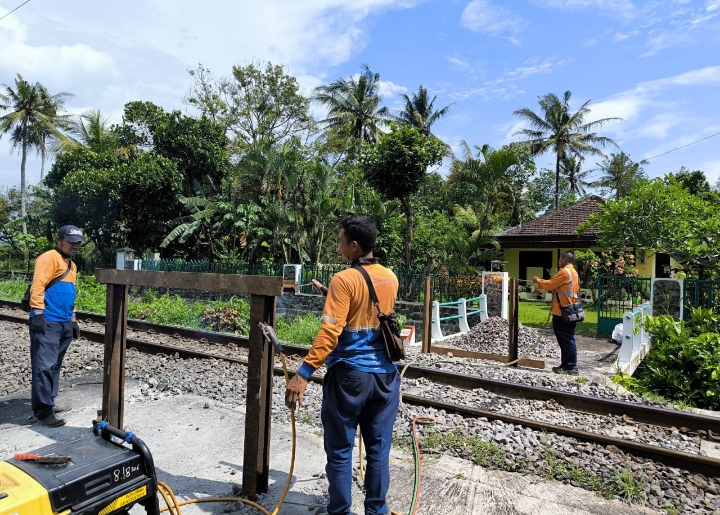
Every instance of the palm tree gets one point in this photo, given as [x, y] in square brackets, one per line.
[488, 171]
[418, 111]
[564, 132]
[620, 174]
[30, 112]
[572, 167]
[42, 135]
[354, 105]
[92, 131]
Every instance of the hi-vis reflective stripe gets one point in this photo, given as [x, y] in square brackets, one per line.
[124, 500]
[569, 293]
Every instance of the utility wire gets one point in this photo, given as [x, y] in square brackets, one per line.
[673, 150]
[18, 7]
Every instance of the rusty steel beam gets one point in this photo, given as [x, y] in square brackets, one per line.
[222, 283]
[258, 415]
[113, 404]
[427, 315]
[513, 323]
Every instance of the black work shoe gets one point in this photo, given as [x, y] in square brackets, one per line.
[61, 408]
[566, 371]
[52, 421]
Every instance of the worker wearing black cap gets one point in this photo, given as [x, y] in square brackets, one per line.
[52, 322]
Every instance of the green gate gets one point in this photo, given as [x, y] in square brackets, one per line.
[616, 295]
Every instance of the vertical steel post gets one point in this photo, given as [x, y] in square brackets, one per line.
[258, 415]
[427, 315]
[113, 407]
[513, 322]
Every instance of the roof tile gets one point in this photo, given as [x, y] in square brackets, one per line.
[563, 222]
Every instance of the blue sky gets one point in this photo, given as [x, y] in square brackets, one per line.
[656, 64]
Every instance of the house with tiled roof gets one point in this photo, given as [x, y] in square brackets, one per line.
[532, 249]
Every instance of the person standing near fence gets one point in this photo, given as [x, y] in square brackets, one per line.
[565, 286]
[52, 322]
[361, 385]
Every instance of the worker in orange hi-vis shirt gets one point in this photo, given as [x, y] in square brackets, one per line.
[52, 322]
[361, 386]
[565, 287]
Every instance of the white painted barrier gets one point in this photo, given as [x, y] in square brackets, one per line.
[636, 342]
[505, 292]
[462, 316]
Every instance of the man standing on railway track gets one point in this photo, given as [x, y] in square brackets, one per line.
[361, 386]
[52, 322]
[565, 287]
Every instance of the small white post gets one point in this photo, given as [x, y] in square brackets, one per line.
[625, 354]
[462, 321]
[436, 332]
[482, 306]
[645, 312]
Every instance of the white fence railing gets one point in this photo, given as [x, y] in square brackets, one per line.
[635, 341]
[461, 317]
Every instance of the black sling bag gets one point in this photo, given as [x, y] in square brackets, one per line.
[394, 348]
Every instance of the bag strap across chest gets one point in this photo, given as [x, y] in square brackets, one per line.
[371, 287]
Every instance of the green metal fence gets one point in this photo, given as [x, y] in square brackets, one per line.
[212, 267]
[616, 295]
[701, 293]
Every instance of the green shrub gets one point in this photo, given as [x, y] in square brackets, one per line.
[230, 317]
[91, 295]
[301, 331]
[683, 364]
[13, 289]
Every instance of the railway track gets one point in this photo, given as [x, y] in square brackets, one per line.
[639, 414]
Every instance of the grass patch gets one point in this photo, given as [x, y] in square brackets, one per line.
[484, 453]
[535, 314]
[13, 289]
[301, 331]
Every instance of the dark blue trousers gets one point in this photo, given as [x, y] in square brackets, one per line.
[565, 334]
[351, 397]
[46, 354]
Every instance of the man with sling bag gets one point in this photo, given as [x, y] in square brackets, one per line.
[566, 286]
[52, 322]
[361, 386]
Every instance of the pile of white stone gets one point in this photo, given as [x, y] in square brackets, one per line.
[491, 337]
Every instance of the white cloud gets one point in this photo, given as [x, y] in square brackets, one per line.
[712, 5]
[623, 8]
[459, 64]
[620, 36]
[629, 104]
[57, 61]
[712, 170]
[481, 16]
[388, 89]
[506, 86]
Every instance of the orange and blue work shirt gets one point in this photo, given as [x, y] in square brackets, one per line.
[58, 302]
[350, 329]
[566, 284]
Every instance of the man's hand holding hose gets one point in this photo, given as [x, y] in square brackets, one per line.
[295, 390]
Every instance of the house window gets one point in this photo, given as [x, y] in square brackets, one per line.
[535, 260]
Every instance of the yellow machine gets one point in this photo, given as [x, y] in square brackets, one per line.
[100, 476]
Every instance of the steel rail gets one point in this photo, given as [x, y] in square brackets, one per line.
[694, 463]
[639, 413]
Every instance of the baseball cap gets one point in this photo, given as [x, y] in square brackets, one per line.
[70, 233]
